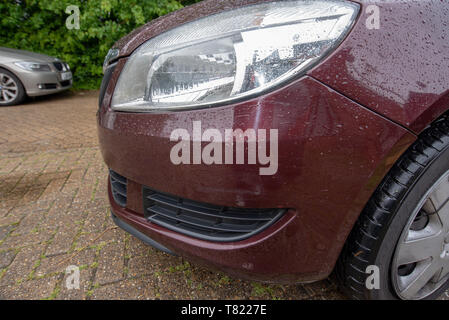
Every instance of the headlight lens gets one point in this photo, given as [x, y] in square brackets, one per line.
[231, 55]
[33, 66]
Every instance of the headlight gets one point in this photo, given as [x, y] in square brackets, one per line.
[33, 66]
[231, 55]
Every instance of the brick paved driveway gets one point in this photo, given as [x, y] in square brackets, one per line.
[54, 213]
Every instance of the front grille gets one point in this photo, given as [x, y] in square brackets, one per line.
[206, 221]
[49, 86]
[58, 66]
[61, 66]
[118, 187]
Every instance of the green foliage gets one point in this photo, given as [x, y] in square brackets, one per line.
[40, 26]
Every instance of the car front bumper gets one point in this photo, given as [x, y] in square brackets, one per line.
[42, 82]
[332, 155]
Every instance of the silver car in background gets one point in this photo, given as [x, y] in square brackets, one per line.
[24, 73]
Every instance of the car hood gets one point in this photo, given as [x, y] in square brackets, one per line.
[130, 42]
[133, 40]
[22, 55]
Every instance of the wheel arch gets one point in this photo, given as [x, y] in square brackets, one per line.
[2, 66]
[432, 114]
[353, 243]
[439, 110]
[22, 90]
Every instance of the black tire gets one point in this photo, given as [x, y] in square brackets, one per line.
[374, 238]
[21, 94]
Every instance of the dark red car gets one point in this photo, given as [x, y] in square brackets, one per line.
[278, 141]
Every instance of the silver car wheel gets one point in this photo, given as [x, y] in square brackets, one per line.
[8, 88]
[421, 260]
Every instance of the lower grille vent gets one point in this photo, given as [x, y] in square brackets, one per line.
[206, 221]
[118, 187]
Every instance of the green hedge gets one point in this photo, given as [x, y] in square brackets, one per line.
[40, 26]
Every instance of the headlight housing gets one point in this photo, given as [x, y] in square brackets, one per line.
[112, 54]
[231, 55]
[33, 66]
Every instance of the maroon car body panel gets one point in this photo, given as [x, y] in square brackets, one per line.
[332, 154]
[336, 143]
[400, 70]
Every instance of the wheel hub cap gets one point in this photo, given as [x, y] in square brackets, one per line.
[423, 248]
[445, 253]
[8, 88]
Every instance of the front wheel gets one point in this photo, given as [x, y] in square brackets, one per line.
[12, 91]
[403, 232]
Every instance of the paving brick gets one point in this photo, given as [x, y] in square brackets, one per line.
[30, 222]
[22, 265]
[5, 230]
[68, 292]
[6, 257]
[139, 266]
[59, 263]
[126, 290]
[30, 290]
[136, 247]
[62, 240]
[111, 263]
[24, 240]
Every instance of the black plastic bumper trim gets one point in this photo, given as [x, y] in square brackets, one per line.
[139, 235]
[105, 82]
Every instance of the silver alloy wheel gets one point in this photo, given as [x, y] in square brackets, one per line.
[8, 88]
[421, 260]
